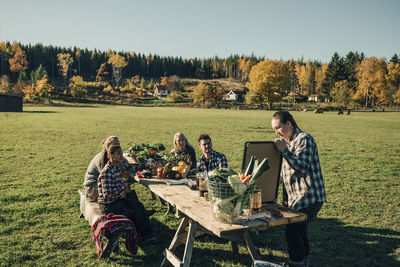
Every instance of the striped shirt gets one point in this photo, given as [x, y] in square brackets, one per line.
[217, 161]
[301, 172]
[110, 184]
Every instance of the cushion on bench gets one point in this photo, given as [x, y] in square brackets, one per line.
[89, 209]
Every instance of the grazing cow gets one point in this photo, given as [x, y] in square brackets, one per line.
[348, 112]
[340, 112]
[318, 110]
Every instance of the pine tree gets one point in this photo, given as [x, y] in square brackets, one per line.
[336, 72]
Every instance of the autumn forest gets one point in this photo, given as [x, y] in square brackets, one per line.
[44, 73]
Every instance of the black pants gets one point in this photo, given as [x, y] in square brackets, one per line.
[297, 235]
[132, 208]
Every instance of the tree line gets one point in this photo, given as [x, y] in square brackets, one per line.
[352, 79]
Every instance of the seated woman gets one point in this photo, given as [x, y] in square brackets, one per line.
[113, 192]
[184, 150]
[94, 169]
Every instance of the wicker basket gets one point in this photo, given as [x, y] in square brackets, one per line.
[224, 201]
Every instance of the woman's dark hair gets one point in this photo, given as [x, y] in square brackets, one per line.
[104, 156]
[285, 116]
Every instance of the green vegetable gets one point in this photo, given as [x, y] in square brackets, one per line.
[250, 166]
[262, 167]
[238, 186]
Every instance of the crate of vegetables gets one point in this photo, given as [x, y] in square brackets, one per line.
[229, 192]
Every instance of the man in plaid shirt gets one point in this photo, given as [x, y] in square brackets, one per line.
[210, 159]
[303, 184]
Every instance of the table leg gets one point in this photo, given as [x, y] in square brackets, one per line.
[179, 238]
[255, 255]
[235, 248]
[187, 256]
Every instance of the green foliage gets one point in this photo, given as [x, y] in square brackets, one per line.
[175, 97]
[38, 74]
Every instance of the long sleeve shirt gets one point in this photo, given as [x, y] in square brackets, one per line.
[301, 172]
[189, 156]
[110, 184]
[217, 161]
[94, 169]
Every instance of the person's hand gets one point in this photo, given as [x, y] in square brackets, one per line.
[280, 144]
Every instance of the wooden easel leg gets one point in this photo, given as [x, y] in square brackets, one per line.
[255, 255]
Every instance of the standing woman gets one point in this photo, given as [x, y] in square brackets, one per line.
[303, 184]
[113, 191]
[184, 150]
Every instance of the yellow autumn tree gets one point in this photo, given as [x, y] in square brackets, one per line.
[164, 80]
[320, 77]
[205, 93]
[244, 67]
[393, 80]
[64, 61]
[18, 63]
[118, 63]
[43, 89]
[267, 81]
[77, 87]
[372, 86]
[341, 93]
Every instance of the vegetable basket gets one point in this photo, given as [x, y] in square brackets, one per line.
[227, 202]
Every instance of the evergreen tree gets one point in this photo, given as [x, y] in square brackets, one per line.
[336, 72]
[395, 59]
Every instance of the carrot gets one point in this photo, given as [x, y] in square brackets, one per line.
[245, 180]
[241, 177]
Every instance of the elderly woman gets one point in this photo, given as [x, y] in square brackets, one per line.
[184, 150]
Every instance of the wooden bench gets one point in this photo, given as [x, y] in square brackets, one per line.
[90, 210]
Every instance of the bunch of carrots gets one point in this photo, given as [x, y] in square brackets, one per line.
[244, 178]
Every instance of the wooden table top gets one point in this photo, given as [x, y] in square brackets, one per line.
[199, 209]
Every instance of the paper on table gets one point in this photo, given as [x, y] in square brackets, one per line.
[176, 182]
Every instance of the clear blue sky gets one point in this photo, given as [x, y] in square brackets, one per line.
[275, 29]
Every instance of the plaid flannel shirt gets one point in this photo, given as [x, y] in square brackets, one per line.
[301, 172]
[217, 161]
[110, 184]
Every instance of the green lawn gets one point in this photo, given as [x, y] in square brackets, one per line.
[44, 153]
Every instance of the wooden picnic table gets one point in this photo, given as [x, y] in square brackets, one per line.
[196, 213]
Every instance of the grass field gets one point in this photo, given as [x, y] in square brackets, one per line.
[44, 153]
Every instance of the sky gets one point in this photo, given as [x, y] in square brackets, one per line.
[274, 29]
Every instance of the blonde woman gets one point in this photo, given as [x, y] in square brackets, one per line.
[184, 150]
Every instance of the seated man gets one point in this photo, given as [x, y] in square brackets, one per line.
[210, 159]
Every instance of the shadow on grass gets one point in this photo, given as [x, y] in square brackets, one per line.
[332, 244]
[40, 111]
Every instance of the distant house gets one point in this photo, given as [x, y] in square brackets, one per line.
[10, 103]
[316, 98]
[160, 90]
[234, 96]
